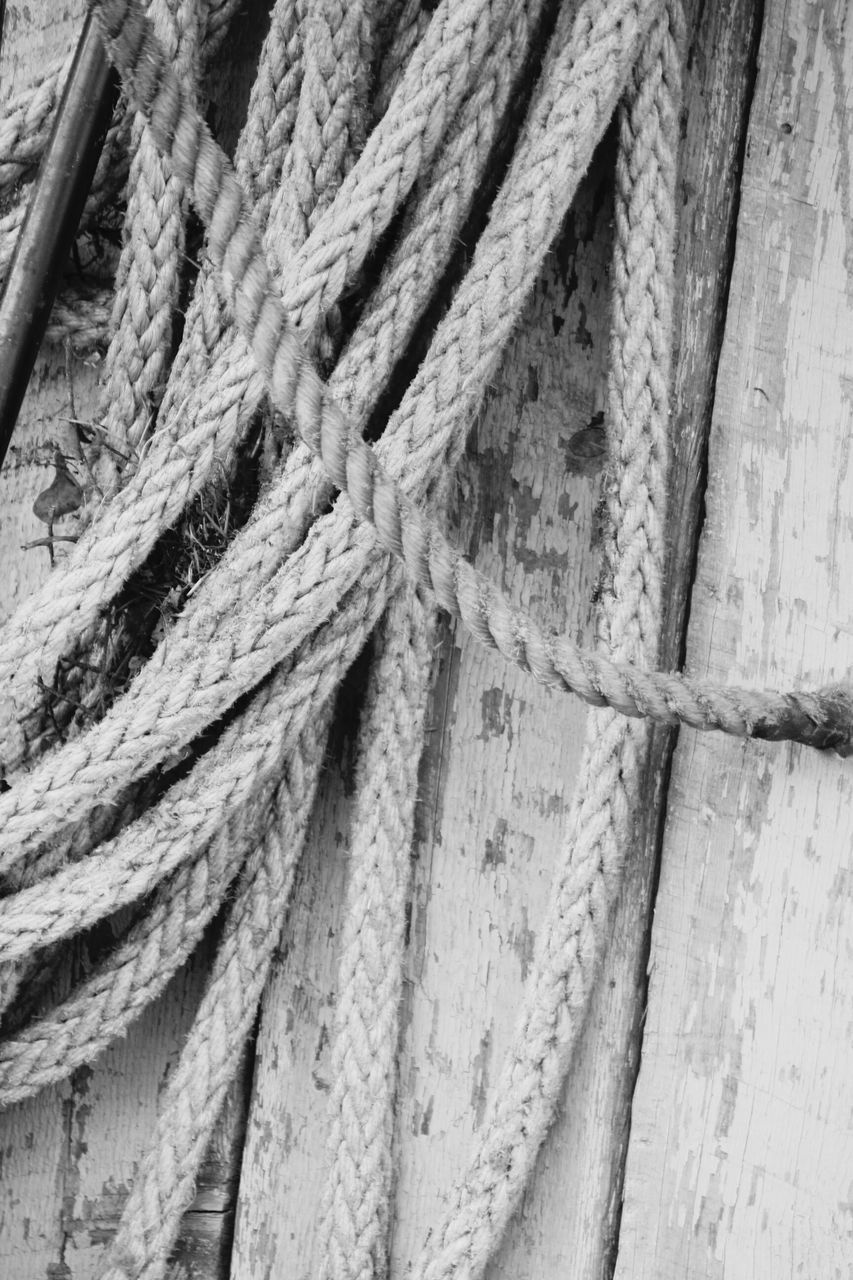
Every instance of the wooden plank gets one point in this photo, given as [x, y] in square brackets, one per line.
[68, 1157]
[499, 770]
[35, 36]
[741, 1153]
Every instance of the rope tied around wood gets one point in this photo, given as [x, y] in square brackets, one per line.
[264, 642]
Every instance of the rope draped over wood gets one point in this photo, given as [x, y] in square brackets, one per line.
[294, 597]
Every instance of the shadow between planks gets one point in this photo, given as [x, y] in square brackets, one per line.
[496, 783]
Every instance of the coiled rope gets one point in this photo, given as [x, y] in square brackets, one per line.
[265, 640]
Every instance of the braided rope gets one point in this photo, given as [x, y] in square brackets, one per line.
[142, 856]
[603, 815]
[272, 111]
[442, 220]
[139, 1260]
[110, 175]
[195, 1091]
[327, 133]
[408, 32]
[277, 612]
[354, 1217]
[256, 554]
[290, 606]
[608, 43]
[26, 119]
[181, 457]
[329, 128]
[457, 586]
[131, 864]
[148, 275]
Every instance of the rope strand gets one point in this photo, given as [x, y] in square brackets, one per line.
[103, 822]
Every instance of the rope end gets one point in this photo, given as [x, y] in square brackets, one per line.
[835, 727]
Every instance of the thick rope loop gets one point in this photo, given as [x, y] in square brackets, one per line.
[821, 719]
[294, 598]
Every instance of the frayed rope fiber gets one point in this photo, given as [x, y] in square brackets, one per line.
[370, 124]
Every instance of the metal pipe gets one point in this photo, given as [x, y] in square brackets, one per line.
[64, 178]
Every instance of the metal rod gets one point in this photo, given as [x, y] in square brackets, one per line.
[64, 178]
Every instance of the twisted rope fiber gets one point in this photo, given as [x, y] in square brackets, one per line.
[133, 880]
[130, 865]
[137, 1258]
[170, 800]
[170, 1166]
[272, 110]
[329, 126]
[26, 119]
[149, 278]
[110, 175]
[448, 227]
[194, 1094]
[329, 85]
[305, 565]
[181, 462]
[609, 789]
[148, 274]
[408, 32]
[50, 1034]
[352, 465]
[409, 447]
[271, 115]
[147, 851]
[355, 1210]
[82, 319]
[205, 1112]
[596, 694]
[266, 543]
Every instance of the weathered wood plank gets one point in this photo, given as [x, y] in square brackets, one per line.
[499, 771]
[741, 1154]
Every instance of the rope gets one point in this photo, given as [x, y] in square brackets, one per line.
[135, 735]
[606, 46]
[370, 125]
[148, 279]
[183, 452]
[355, 1212]
[608, 793]
[194, 1094]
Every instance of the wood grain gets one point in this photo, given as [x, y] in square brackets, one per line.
[741, 1155]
